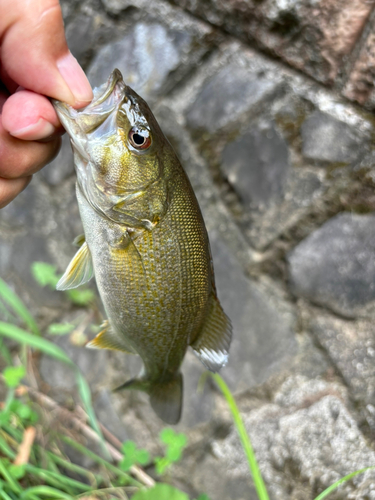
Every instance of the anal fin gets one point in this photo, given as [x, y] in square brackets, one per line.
[212, 344]
[108, 339]
[79, 271]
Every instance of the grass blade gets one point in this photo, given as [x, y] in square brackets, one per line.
[5, 496]
[94, 479]
[17, 305]
[253, 464]
[344, 479]
[26, 338]
[101, 461]
[85, 394]
[12, 483]
[4, 352]
[5, 448]
[59, 479]
[45, 490]
[106, 491]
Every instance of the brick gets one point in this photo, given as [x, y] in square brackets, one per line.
[314, 37]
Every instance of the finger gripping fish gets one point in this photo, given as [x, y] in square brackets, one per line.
[146, 243]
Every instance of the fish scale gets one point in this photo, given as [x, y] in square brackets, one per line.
[146, 243]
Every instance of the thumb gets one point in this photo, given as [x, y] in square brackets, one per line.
[34, 52]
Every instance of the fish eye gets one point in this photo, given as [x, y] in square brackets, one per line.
[139, 139]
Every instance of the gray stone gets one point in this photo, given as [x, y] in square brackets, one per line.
[210, 476]
[311, 361]
[257, 164]
[116, 6]
[68, 7]
[22, 227]
[228, 94]
[19, 213]
[304, 441]
[351, 346]
[86, 31]
[108, 416]
[146, 56]
[279, 9]
[60, 376]
[27, 250]
[304, 187]
[327, 139]
[263, 337]
[5, 257]
[198, 405]
[62, 166]
[335, 265]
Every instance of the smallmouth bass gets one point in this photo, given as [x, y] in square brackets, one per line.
[145, 241]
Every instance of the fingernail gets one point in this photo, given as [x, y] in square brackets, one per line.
[39, 130]
[76, 79]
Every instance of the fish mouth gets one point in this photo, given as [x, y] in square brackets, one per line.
[81, 122]
[114, 78]
[90, 125]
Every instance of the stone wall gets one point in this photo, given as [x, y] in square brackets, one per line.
[259, 100]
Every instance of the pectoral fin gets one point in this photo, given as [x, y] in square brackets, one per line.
[108, 339]
[79, 271]
[212, 344]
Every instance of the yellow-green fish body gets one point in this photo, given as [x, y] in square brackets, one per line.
[146, 243]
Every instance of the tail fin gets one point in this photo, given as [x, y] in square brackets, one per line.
[165, 397]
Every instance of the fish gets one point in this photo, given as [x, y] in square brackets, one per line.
[145, 242]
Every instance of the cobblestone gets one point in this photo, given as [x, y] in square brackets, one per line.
[334, 266]
[352, 348]
[326, 139]
[256, 165]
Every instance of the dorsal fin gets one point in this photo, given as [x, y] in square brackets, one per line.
[212, 344]
[108, 339]
[79, 271]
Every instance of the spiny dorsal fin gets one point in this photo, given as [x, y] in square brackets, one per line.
[212, 344]
[108, 339]
[79, 271]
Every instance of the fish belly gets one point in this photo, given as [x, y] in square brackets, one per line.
[155, 290]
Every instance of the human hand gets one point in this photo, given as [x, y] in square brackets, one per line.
[35, 62]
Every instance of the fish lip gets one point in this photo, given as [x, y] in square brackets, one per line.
[114, 78]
